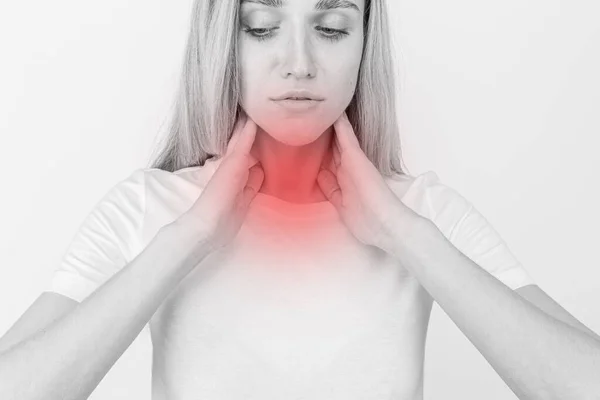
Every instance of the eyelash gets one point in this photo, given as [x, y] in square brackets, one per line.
[338, 34]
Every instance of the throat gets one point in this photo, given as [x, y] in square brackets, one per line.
[290, 196]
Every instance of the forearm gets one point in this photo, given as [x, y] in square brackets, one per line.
[68, 359]
[536, 355]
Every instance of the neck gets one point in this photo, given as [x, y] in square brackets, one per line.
[291, 171]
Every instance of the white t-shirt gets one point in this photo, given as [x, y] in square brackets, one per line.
[314, 314]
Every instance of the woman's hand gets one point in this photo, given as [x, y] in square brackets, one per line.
[369, 208]
[219, 211]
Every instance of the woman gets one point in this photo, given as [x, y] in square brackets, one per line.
[289, 255]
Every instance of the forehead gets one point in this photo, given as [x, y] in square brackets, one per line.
[319, 5]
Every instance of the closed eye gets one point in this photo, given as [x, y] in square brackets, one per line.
[265, 33]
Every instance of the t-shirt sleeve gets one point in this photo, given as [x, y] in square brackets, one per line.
[469, 231]
[104, 241]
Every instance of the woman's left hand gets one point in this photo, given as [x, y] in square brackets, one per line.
[373, 213]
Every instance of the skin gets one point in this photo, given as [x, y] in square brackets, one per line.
[536, 353]
[291, 48]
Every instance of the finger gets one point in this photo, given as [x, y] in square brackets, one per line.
[344, 133]
[336, 156]
[348, 144]
[330, 188]
[246, 138]
[235, 135]
[327, 161]
[330, 163]
[252, 161]
[256, 176]
[336, 141]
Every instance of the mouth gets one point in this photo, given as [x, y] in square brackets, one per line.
[299, 98]
[298, 105]
[296, 99]
[299, 95]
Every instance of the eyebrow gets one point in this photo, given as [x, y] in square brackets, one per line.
[321, 5]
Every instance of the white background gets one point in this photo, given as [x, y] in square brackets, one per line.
[501, 99]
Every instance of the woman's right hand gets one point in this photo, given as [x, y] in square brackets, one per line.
[217, 215]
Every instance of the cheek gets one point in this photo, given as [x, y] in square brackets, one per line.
[345, 76]
[351, 85]
[249, 89]
[345, 88]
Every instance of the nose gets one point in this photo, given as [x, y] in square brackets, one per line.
[298, 57]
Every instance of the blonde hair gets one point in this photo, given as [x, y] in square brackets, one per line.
[207, 101]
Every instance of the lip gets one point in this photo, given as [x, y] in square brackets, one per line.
[298, 105]
[299, 93]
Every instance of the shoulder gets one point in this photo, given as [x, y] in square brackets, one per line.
[135, 190]
[406, 184]
[197, 175]
[428, 195]
[408, 181]
[141, 180]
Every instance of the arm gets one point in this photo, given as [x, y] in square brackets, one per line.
[538, 356]
[536, 296]
[71, 356]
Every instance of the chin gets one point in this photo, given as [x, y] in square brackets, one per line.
[295, 140]
[295, 131]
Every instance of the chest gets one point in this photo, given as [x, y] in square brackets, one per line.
[295, 306]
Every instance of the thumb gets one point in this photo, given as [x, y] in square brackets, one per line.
[330, 187]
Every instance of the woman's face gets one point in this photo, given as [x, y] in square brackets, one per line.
[297, 46]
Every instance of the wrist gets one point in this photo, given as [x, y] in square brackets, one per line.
[410, 232]
[192, 244]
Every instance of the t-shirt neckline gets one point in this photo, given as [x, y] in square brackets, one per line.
[293, 210]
